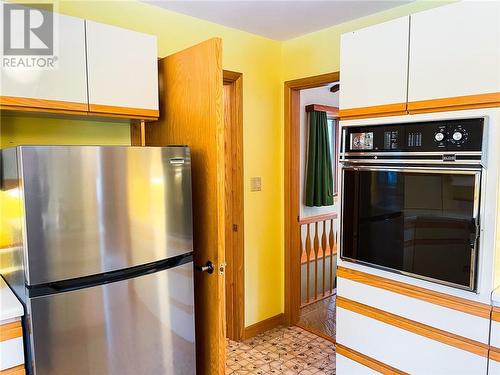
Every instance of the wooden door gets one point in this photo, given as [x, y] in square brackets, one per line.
[191, 113]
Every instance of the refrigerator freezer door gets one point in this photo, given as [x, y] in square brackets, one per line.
[143, 325]
[92, 209]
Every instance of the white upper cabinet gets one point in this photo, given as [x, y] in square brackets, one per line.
[455, 51]
[374, 67]
[65, 82]
[122, 70]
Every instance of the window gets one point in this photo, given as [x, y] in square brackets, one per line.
[332, 132]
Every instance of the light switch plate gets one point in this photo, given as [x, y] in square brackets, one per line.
[255, 184]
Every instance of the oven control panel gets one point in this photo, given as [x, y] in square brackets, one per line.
[432, 136]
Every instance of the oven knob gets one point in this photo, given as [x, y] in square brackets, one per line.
[457, 136]
[439, 136]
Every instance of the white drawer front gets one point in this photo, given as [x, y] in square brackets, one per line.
[11, 353]
[493, 367]
[402, 349]
[457, 322]
[495, 334]
[346, 366]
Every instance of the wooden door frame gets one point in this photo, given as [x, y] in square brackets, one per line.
[235, 318]
[292, 188]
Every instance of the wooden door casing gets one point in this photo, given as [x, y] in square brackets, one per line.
[233, 122]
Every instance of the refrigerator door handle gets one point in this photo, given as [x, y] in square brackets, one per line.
[208, 267]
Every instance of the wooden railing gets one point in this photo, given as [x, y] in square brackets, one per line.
[318, 247]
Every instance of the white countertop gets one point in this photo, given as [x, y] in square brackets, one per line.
[10, 307]
[495, 297]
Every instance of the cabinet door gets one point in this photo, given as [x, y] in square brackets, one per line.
[63, 86]
[373, 69]
[122, 71]
[455, 52]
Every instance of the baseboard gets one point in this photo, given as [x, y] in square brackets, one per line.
[263, 326]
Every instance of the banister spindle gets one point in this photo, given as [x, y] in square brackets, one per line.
[316, 252]
[323, 247]
[331, 244]
[308, 254]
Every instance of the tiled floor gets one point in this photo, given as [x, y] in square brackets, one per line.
[288, 351]
[320, 316]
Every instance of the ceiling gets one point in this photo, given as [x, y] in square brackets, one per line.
[279, 20]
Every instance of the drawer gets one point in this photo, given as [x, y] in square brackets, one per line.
[18, 370]
[346, 366]
[409, 349]
[11, 353]
[447, 319]
[493, 367]
[495, 334]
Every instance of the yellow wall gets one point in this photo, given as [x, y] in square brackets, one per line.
[264, 64]
[259, 60]
[16, 130]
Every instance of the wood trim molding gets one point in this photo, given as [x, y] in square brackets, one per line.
[395, 109]
[139, 113]
[17, 370]
[424, 330]
[455, 103]
[57, 107]
[456, 303]
[235, 244]
[313, 219]
[313, 81]
[495, 314]
[263, 326]
[495, 354]
[42, 110]
[137, 133]
[11, 331]
[330, 110]
[367, 361]
[292, 187]
[19, 102]
[228, 76]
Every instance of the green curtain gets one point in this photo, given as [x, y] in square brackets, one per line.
[319, 180]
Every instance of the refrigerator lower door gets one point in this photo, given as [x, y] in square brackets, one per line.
[143, 325]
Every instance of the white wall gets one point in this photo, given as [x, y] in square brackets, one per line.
[320, 95]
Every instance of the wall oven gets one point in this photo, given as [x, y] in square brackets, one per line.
[410, 198]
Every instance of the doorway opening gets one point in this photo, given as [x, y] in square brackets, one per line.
[233, 154]
[311, 229]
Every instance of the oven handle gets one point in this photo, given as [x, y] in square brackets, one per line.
[474, 238]
[469, 171]
[474, 232]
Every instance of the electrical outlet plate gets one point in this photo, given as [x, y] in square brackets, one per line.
[255, 184]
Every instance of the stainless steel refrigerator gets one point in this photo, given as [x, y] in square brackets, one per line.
[102, 258]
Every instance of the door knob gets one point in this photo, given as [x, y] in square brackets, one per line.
[208, 267]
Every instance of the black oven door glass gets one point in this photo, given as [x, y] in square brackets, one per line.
[419, 223]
